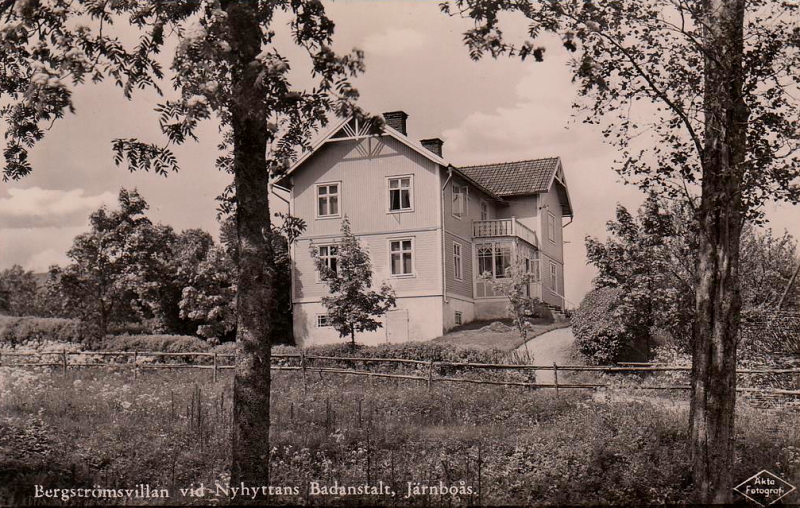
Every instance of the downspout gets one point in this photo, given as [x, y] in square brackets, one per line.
[444, 242]
[272, 190]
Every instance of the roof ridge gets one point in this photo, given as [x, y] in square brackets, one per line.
[507, 162]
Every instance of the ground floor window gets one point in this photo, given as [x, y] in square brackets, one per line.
[323, 321]
[402, 257]
[494, 258]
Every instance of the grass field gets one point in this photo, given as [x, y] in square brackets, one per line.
[480, 335]
[170, 430]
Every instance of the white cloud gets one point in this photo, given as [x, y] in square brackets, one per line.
[394, 42]
[41, 261]
[35, 207]
[537, 123]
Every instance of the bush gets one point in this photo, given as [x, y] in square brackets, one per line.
[600, 332]
[29, 331]
[420, 351]
[157, 343]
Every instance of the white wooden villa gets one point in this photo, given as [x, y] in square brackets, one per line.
[431, 228]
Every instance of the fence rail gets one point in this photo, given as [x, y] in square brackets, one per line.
[63, 364]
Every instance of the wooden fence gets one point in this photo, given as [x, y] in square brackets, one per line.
[427, 368]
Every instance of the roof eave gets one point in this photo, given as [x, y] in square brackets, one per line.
[387, 131]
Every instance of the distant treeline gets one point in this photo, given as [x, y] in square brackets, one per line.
[130, 274]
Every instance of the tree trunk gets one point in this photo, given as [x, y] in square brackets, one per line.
[255, 298]
[352, 338]
[718, 299]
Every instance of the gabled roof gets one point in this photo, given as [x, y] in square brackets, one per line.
[515, 178]
[496, 180]
[523, 178]
[349, 129]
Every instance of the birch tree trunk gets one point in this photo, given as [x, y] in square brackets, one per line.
[718, 299]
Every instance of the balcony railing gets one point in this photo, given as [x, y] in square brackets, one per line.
[504, 227]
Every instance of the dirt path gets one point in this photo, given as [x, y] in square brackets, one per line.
[550, 347]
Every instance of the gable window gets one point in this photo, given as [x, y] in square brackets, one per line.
[323, 321]
[328, 200]
[551, 227]
[459, 318]
[459, 200]
[402, 257]
[484, 210]
[554, 276]
[329, 254]
[457, 267]
[400, 194]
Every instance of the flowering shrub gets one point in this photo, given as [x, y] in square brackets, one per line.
[18, 331]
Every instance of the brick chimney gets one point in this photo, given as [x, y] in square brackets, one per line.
[397, 121]
[434, 145]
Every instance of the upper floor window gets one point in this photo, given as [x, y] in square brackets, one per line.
[551, 227]
[458, 271]
[484, 210]
[401, 198]
[329, 254]
[328, 200]
[402, 257]
[459, 200]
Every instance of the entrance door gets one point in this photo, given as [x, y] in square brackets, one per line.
[397, 325]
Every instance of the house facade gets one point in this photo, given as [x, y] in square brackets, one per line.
[430, 228]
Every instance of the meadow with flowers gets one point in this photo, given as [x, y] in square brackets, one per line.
[101, 428]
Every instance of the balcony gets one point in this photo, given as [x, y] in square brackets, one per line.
[504, 227]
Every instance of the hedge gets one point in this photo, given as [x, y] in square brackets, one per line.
[21, 331]
[421, 351]
[159, 343]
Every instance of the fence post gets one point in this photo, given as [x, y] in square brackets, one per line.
[1, 358]
[430, 374]
[555, 376]
[303, 368]
[135, 363]
[64, 362]
[215, 367]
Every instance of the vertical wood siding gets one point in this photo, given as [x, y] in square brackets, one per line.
[551, 203]
[460, 287]
[426, 266]
[362, 167]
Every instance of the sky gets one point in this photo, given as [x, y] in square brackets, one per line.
[485, 111]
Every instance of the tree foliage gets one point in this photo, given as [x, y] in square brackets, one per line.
[651, 259]
[515, 287]
[720, 120]
[640, 69]
[225, 65]
[352, 305]
[17, 292]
